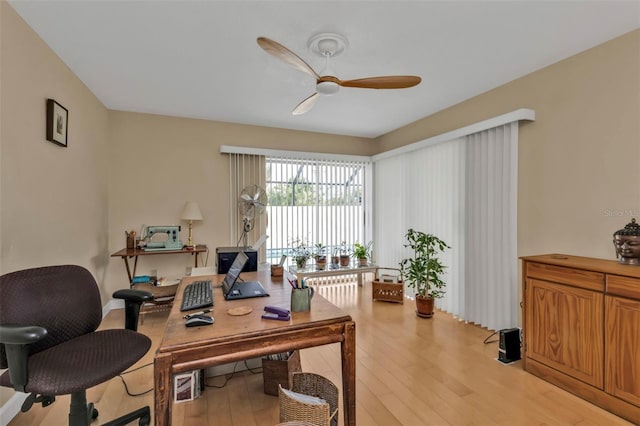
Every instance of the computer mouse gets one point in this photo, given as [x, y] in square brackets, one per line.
[198, 320]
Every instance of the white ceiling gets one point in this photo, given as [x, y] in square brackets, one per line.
[200, 59]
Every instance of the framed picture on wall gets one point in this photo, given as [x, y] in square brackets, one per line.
[57, 123]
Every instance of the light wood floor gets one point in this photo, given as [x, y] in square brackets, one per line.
[410, 371]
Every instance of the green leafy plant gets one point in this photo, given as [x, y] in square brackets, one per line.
[343, 249]
[319, 251]
[361, 251]
[424, 270]
[301, 252]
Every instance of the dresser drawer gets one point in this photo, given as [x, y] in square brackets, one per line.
[559, 274]
[623, 286]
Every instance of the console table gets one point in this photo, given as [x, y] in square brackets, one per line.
[128, 253]
[312, 272]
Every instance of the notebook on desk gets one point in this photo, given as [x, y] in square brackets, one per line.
[234, 289]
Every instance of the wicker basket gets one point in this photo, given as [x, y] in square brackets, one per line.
[317, 414]
[387, 285]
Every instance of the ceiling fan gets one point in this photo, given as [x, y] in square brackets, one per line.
[329, 45]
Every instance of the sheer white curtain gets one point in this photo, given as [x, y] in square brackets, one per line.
[464, 191]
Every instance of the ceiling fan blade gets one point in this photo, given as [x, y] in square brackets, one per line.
[385, 82]
[279, 51]
[306, 105]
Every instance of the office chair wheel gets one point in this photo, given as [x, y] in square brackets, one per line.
[94, 414]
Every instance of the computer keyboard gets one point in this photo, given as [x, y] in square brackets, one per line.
[198, 294]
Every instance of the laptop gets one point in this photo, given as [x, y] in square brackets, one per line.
[234, 289]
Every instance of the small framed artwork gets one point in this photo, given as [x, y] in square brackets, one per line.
[57, 123]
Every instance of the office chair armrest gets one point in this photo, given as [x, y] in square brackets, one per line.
[16, 339]
[133, 299]
[137, 296]
[21, 334]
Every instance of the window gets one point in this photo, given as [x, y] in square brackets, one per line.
[314, 201]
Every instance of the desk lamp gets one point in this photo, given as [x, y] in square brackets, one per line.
[191, 212]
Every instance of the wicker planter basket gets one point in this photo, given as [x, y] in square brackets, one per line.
[315, 385]
[387, 285]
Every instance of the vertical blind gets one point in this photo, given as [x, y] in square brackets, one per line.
[245, 170]
[464, 191]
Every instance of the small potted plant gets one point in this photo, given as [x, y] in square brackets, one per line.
[320, 256]
[300, 253]
[424, 270]
[362, 253]
[335, 258]
[345, 255]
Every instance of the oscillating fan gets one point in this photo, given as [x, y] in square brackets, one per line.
[252, 202]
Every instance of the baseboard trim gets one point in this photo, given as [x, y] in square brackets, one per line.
[12, 407]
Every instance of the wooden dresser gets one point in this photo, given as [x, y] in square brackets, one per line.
[581, 328]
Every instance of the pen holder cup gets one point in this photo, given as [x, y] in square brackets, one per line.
[131, 242]
[301, 299]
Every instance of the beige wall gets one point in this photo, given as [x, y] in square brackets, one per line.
[53, 200]
[158, 162]
[579, 162]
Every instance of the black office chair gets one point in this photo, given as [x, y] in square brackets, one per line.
[49, 342]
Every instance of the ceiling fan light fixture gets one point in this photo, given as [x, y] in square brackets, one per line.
[327, 87]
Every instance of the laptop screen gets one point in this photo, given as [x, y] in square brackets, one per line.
[234, 271]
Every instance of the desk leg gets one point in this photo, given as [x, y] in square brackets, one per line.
[348, 347]
[359, 279]
[162, 392]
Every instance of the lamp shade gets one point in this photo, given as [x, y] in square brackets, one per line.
[191, 211]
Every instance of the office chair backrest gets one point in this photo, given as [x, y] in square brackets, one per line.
[63, 299]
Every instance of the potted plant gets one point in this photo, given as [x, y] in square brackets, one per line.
[320, 256]
[335, 258]
[362, 253]
[424, 270]
[300, 253]
[345, 255]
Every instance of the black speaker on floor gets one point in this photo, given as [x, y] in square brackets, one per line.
[509, 345]
[226, 255]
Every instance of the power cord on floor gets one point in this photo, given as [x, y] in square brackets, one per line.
[125, 383]
[230, 376]
[226, 380]
[487, 341]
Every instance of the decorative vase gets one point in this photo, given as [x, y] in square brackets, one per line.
[424, 306]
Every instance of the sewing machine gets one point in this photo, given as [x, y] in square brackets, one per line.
[172, 241]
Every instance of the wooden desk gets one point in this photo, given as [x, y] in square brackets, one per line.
[235, 338]
[127, 253]
[312, 272]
